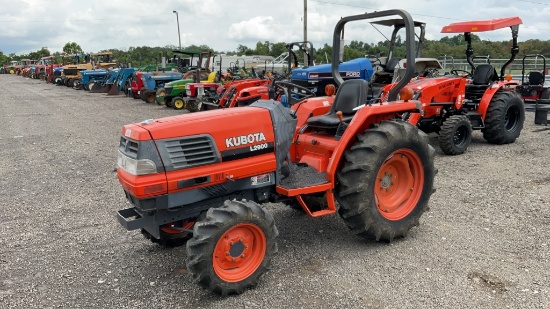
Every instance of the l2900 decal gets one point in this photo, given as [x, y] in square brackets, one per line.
[247, 151]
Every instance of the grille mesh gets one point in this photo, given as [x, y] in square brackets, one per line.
[128, 147]
[191, 151]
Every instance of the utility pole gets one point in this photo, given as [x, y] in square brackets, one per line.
[178, 21]
[305, 33]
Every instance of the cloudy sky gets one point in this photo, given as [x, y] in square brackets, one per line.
[28, 25]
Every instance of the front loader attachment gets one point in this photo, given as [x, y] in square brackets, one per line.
[113, 90]
[97, 88]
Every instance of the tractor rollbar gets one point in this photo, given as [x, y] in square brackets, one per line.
[410, 35]
[514, 49]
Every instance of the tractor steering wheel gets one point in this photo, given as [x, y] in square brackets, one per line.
[292, 89]
[456, 72]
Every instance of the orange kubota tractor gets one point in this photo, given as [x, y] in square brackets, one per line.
[454, 105]
[200, 178]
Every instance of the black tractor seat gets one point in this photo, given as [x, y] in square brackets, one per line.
[535, 83]
[351, 94]
[484, 75]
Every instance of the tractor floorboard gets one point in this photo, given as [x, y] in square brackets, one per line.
[303, 177]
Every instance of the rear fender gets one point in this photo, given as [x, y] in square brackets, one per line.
[488, 96]
[364, 119]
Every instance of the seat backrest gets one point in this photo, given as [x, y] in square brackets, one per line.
[484, 74]
[536, 78]
[392, 63]
[351, 94]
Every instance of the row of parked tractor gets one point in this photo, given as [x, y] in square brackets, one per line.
[452, 107]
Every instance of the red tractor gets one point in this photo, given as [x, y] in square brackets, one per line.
[535, 90]
[454, 105]
[199, 178]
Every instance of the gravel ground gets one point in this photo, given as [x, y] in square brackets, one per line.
[483, 244]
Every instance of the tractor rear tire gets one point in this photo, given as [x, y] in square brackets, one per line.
[232, 247]
[161, 92]
[195, 106]
[150, 97]
[385, 181]
[178, 103]
[455, 135]
[504, 119]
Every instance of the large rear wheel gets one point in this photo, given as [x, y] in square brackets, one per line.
[385, 181]
[504, 119]
[455, 135]
[232, 247]
[194, 106]
[161, 96]
[150, 97]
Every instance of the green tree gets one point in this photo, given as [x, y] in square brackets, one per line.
[277, 49]
[4, 59]
[244, 50]
[262, 48]
[72, 48]
[39, 54]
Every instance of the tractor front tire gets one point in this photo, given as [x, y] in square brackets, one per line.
[455, 135]
[232, 247]
[150, 97]
[178, 103]
[195, 106]
[504, 119]
[385, 181]
[168, 102]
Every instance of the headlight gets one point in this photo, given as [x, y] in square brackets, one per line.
[136, 167]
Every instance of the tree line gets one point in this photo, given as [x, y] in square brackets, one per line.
[454, 46]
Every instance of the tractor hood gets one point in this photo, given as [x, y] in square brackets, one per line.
[167, 76]
[357, 68]
[226, 126]
[179, 82]
[93, 72]
[438, 82]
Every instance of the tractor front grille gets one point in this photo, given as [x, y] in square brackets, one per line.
[128, 147]
[70, 71]
[191, 151]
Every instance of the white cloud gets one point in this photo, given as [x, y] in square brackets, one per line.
[102, 24]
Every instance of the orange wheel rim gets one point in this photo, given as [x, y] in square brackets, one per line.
[239, 252]
[399, 184]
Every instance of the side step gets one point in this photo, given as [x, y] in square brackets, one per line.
[304, 181]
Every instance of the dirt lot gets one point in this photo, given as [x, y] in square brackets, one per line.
[483, 244]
